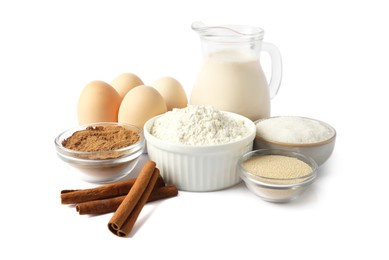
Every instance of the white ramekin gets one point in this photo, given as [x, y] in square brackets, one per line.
[199, 168]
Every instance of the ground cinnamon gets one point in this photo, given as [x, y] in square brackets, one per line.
[101, 138]
[103, 206]
[125, 216]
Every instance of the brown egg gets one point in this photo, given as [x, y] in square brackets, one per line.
[125, 82]
[172, 92]
[140, 104]
[98, 102]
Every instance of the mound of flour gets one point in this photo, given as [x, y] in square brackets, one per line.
[198, 125]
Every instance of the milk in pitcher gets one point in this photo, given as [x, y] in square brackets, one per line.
[231, 78]
[233, 81]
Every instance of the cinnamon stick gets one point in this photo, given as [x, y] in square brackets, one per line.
[102, 192]
[125, 216]
[110, 205]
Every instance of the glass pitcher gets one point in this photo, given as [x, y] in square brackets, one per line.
[231, 78]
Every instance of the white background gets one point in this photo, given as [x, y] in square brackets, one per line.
[335, 60]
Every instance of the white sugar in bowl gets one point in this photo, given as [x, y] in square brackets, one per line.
[310, 137]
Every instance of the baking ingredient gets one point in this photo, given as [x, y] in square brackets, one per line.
[125, 82]
[107, 198]
[101, 138]
[103, 206]
[233, 81]
[125, 216]
[172, 92]
[198, 125]
[101, 192]
[291, 129]
[98, 102]
[140, 104]
[277, 168]
[277, 178]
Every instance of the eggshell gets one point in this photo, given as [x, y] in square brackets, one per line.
[125, 82]
[98, 102]
[172, 92]
[140, 104]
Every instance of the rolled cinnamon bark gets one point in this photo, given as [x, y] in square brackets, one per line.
[125, 216]
[102, 192]
[110, 205]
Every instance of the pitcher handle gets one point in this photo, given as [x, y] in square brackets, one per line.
[276, 68]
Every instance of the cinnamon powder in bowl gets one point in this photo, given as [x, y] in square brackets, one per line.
[101, 152]
[101, 138]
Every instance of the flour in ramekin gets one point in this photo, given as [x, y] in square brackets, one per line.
[198, 125]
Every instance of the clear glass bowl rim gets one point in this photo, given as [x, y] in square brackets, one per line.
[253, 177]
[72, 153]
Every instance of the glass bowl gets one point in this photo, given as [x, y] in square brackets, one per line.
[92, 166]
[279, 190]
